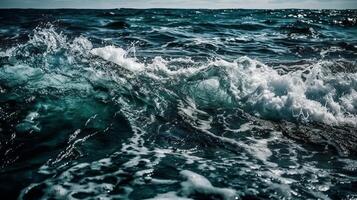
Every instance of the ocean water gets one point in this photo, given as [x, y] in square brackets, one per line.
[178, 104]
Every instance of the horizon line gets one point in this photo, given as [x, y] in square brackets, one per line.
[171, 8]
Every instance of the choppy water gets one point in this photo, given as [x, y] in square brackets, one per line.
[178, 104]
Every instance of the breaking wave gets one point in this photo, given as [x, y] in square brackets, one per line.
[311, 92]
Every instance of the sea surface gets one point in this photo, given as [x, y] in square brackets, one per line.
[178, 104]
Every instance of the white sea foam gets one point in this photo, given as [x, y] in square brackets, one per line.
[169, 196]
[198, 183]
[314, 96]
[118, 56]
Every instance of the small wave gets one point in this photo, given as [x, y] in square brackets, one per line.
[302, 28]
[117, 25]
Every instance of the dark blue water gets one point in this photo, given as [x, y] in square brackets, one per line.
[178, 104]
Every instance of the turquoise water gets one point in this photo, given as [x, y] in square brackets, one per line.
[178, 104]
